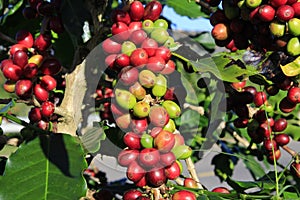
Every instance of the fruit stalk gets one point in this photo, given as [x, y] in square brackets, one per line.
[192, 171]
[289, 150]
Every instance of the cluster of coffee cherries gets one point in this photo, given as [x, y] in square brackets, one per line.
[138, 195]
[263, 24]
[30, 71]
[49, 10]
[144, 101]
[260, 127]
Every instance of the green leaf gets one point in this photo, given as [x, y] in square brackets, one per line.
[11, 11]
[290, 195]
[48, 167]
[225, 66]
[292, 68]
[91, 140]
[186, 8]
[6, 108]
[206, 40]
[254, 167]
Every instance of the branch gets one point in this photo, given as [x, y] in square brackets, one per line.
[192, 171]
[205, 5]
[6, 38]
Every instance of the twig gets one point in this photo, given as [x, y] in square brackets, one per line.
[240, 139]
[156, 193]
[198, 109]
[179, 181]
[192, 171]
[205, 5]
[6, 38]
[290, 151]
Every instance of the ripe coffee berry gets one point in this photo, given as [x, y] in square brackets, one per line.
[47, 109]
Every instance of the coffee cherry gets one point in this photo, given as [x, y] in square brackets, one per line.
[141, 109]
[275, 156]
[277, 28]
[146, 140]
[36, 59]
[161, 23]
[173, 171]
[147, 26]
[42, 42]
[160, 87]
[169, 67]
[111, 47]
[158, 116]
[138, 37]
[120, 31]
[282, 139]
[40, 93]
[123, 121]
[120, 16]
[221, 190]
[150, 45]
[132, 194]
[47, 109]
[147, 78]
[141, 183]
[164, 141]
[240, 122]
[23, 88]
[286, 106]
[296, 7]
[20, 58]
[260, 98]
[156, 177]
[184, 195]
[238, 85]
[25, 38]
[293, 46]
[48, 82]
[129, 75]
[127, 156]
[9, 86]
[293, 25]
[12, 72]
[152, 10]
[149, 157]
[50, 66]
[266, 13]
[125, 99]
[167, 159]
[139, 57]
[190, 183]
[293, 95]
[139, 125]
[285, 13]
[135, 172]
[279, 125]
[277, 3]
[138, 91]
[30, 70]
[220, 32]
[29, 13]
[163, 52]
[155, 64]
[17, 47]
[170, 126]
[253, 3]
[295, 169]
[160, 35]
[172, 108]
[35, 115]
[134, 26]
[132, 140]
[128, 47]
[182, 152]
[136, 11]
[269, 145]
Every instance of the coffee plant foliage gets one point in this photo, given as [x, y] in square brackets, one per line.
[162, 98]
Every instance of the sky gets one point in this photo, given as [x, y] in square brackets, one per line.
[184, 23]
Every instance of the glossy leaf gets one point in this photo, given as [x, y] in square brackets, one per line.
[11, 11]
[227, 67]
[186, 8]
[253, 166]
[48, 167]
[206, 40]
[292, 68]
[7, 107]
[91, 140]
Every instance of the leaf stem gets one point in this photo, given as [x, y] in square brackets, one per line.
[290, 151]
[180, 57]
[23, 123]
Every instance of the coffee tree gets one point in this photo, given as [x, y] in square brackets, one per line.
[161, 97]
